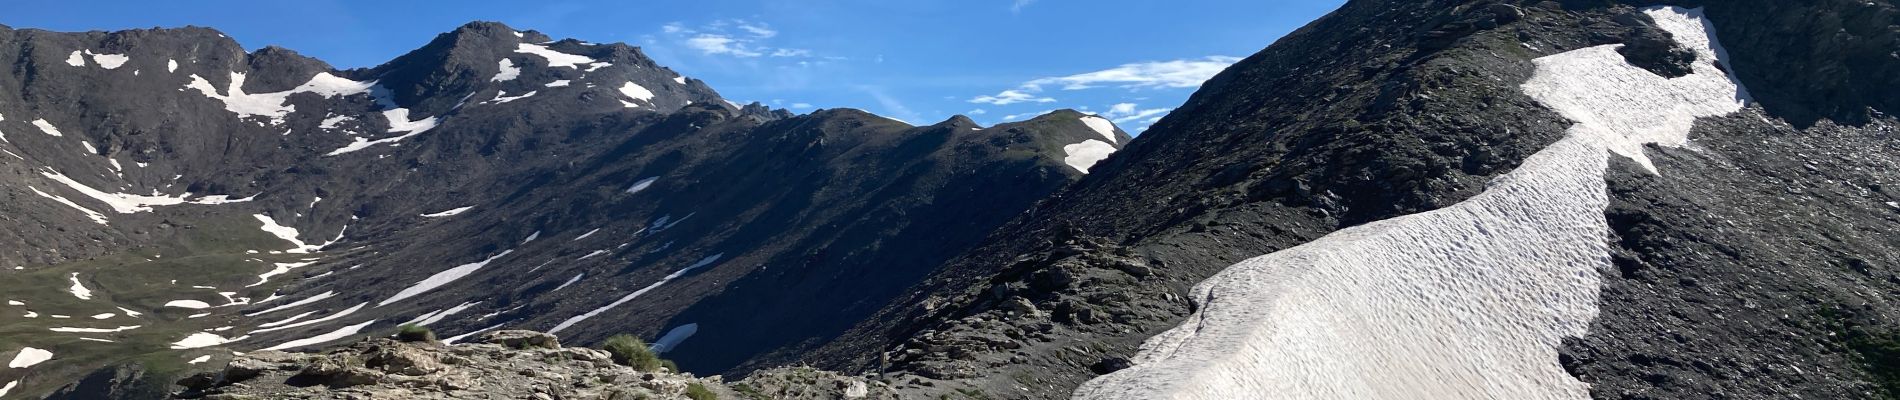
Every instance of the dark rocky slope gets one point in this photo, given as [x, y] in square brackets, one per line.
[1386, 108]
[414, 171]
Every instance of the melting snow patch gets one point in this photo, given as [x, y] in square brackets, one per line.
[458, 338]
[292, 318]
[288, 234]
[109, 61]
[641, 185]
[449, 213]
[204, 339]
[324, 338]
[1361, 313]
[334, 121]
[532, 237]
[1100, 125]
[555, 58]
[94, 330]
[441, 278]
[559, 83]
[295, 304]
[1083, 156]
[504, 98]
[630, 296]
[338, 314]
[120, 202]
[570, 281]
[673, 337]
[79, 290]
[76, 59]
[28, 357]
[130, 313]
[636, 92]
[200, 359]
[95, 216]
[15, 303]
[279, 269]
[438, 315]
[103, 316]
[191, 304]
[171, 65]
[585, 235]
[508, 72]
[46, 127]
[8, 387]
[591, 255]
[271, 106]
[679, 79]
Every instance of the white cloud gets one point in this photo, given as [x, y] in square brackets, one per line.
[1017, 6]
[1185, 73]
[791, 53]
[1125, 112]
[978, 111]
[674, 28]
[1011, 96]
[759, 31]
[712, 44]
[801, 106]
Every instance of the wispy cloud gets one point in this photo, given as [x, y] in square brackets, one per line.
[1126, 112]
[1011, 96]
[890, 104]
[736, 38]
[1024, 116]
[1017, 6]
[1185, 73]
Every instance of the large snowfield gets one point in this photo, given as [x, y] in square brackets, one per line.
[1469, 301]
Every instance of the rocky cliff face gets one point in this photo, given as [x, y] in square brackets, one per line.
[181, 196]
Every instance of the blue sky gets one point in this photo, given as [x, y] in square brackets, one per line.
[916, 60]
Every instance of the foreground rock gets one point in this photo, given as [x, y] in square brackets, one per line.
[500, 365]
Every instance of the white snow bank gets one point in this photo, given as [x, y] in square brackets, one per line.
[630, 296]
[504, 98]
[570, 281]
[328, 318]
[585, 235]
[559, 83]
[93, 330]
[1363, 312]
[108, 61]
[95, 216]
[591, 255]
[191, 304]
[323, 338]
[28, 357]
[76, 59]
[289, 234]
[508, 72]
[449, 213]
[171, 65]
[673, 337]
[103, 315]
[279, 269]
[78, 289]
[458, 338]
[270, 106]
[293, 318]
[295, 304]
[643, 184]
[46, 127]
[555, 58]
[438, 315]
[1100, 125]
[204, 339]
[1083, 156]
[441, 278]
[200, 359]
[636, 92]
[679, 79]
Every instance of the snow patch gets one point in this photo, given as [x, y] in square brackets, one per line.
[641, 185]
[328, 318]
[570, 281]
[46, 127]
[78, 289]
[585, 235]
[76, 59]
[28, 357]
[1100, 125]
[559, 83]
[200, 359]
[441, 278]
[636, 92]
[204, 339]
[449, 213]
[191, 304]
[508, 72]
[555, 58]
[109, 61]
[673, 337]
[504, 98]
[289, 234]
[171, 65]
[323, 338]
[630, 296]
[438, 315]
[1083, 156]
[270, 106]
[93, 330]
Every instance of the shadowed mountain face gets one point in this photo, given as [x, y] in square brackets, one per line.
[213, 200]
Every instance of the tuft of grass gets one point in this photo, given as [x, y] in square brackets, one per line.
[415, 333]
[631, 351]
[697, 391]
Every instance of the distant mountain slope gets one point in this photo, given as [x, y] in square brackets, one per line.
[208, 198]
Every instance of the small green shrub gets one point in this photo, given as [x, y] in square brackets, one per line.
[414, 333]
[697, 391]
[630, 351]
[669, 365]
